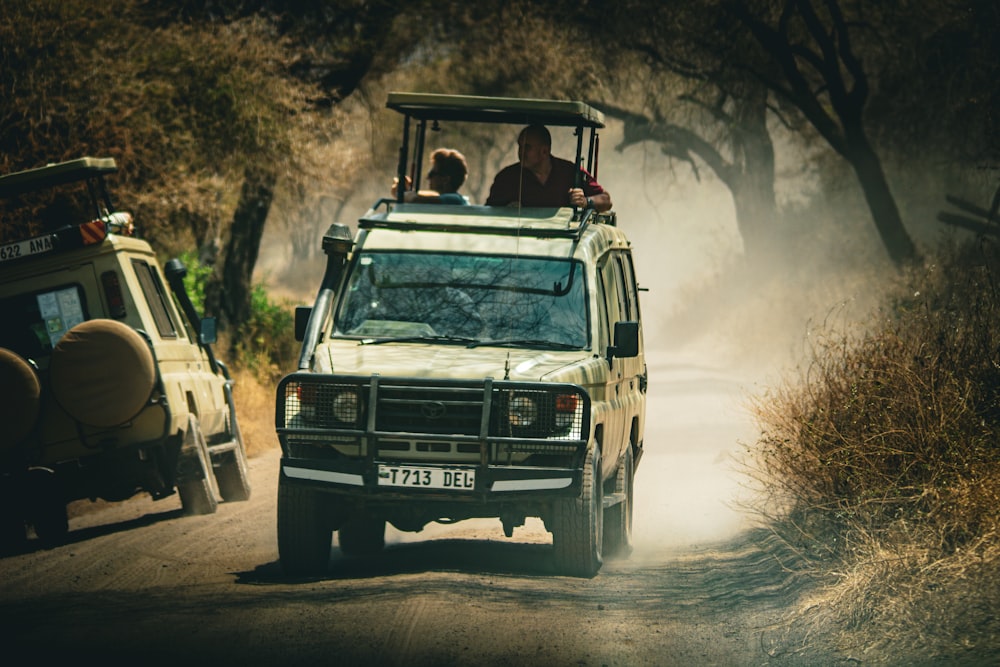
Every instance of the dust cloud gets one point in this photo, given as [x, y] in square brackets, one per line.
[683, 231]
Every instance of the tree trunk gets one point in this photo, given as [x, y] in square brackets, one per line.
[240, 255]
[756, 219]
[885, 213]
[752, 184]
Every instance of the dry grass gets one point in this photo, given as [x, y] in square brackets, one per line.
[879, 463]
[254, 398]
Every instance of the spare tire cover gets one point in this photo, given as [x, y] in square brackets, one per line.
[20, 402]
[103, 372]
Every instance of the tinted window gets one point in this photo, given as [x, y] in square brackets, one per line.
[33, 323]
[156, 297]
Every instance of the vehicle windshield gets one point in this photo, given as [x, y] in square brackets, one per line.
[468, 298]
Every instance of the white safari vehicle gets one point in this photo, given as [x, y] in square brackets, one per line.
[467, 361]
[110, 385]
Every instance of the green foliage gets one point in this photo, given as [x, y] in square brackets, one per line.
[196, 279]
[265, 343]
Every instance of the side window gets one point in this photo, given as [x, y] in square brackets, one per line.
[157, 298]
[611, 274]
[630, 287]
[612, 297]
[34, 322]
[603, 327]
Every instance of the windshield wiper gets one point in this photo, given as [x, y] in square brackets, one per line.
[471, 342]
[527, 342]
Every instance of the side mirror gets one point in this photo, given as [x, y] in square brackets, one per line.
[626, 341]
[208, 333]
[302, 314]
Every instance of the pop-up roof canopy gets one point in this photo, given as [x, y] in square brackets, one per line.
[90, 170]
[477, 109]
[52, 175]
[435, 108]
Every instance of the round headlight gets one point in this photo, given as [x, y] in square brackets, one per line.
[345, 407]
[523, 412]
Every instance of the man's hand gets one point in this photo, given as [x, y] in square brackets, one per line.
[577, 198]
[395, 184]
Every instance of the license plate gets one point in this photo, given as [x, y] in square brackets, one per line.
[27, 248]
[463, 479]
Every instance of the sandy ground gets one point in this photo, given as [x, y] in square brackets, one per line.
[140, 583]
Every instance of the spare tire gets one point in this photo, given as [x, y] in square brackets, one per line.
[103, 373]
[21, 399]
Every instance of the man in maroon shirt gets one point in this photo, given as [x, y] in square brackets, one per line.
[540, 179]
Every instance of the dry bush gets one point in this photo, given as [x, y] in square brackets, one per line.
[880, 463]
[254, 396]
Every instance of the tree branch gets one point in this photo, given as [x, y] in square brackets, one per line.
[777, 45]
[674, 140]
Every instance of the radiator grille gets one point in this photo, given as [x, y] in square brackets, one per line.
[516, 410]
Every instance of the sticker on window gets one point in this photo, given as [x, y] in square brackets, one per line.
[61, 310]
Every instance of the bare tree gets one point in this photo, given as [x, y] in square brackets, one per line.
[737, 148]
[819, 72]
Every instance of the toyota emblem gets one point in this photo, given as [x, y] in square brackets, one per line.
[433, 410]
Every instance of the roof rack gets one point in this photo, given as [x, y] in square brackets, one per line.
[545, 223]
[88, 170]
[55, 174]
[478, 109]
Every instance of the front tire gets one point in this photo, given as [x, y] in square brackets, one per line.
[232, 476]
[304, 532]
[577, 535]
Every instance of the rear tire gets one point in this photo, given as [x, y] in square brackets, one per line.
[363, 536]
[577, 535]
[197, 491]
[304, 532]
[618, 518]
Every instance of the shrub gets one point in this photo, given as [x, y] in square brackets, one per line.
[880, 461]
[265, 343]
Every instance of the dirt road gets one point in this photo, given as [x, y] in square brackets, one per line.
[139, 583]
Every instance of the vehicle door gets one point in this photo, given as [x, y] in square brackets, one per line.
[184, 366]
[633, 385]
[613, 308]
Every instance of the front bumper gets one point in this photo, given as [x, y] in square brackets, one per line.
[520, 439]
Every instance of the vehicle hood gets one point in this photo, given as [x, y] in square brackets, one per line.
[444, 361]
